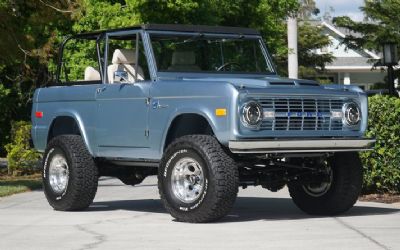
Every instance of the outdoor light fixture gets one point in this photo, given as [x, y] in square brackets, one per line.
[390, 54]
[390, 58]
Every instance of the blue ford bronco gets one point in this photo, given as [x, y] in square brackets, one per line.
[203, 108]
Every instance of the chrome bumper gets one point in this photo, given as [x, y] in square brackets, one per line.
[300, 146]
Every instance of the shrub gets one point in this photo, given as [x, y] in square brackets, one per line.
[5, 99]
[382, 165]
[21, 158]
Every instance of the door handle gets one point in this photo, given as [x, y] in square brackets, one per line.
[162, 106]
[99, 90]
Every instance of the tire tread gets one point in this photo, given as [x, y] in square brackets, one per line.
[223, 169]
[82, 189]
[349, 177]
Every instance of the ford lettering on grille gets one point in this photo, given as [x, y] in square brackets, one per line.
[305, 114]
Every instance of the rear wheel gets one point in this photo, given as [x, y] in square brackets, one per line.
[197, 180]
[70, 176]
[337, 193]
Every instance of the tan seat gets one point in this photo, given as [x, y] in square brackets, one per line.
[91, 74]
[124, 61]
[184, 61]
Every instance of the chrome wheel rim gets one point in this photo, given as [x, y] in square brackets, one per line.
[318, 190]
[187, 180]
[58, 174]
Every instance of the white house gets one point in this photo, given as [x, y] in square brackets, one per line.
[349, 66]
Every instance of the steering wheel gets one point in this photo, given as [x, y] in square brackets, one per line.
[225, 65]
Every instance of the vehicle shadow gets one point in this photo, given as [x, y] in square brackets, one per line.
[245, 209]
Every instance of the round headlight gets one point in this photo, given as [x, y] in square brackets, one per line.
[352, 114]
[252, 114]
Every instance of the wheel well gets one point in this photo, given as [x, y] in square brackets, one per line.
[187, 124]
[63, 125]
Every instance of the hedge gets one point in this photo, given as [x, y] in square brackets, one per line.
[21, 158]
[382, 165]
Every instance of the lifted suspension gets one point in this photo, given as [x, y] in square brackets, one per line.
[274, 174]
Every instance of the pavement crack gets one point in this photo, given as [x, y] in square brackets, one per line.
[98, 238]
[365, 236]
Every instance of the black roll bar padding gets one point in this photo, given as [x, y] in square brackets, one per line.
[99, 38]
[89, 36]
[60, 58]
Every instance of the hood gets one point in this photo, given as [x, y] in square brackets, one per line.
[253, 83]
[258, 82]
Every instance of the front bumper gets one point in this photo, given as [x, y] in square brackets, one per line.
[300, 146]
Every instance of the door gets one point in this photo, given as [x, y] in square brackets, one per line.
[122, 102]
[122, 118]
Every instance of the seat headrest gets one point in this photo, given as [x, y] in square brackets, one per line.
[183, 58]
[124, 56]
[91, 74]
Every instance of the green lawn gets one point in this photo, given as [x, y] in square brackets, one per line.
[14, 185]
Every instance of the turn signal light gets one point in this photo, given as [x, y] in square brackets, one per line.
[220, 112]
[39, 114]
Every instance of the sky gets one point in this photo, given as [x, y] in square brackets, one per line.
[342, 8]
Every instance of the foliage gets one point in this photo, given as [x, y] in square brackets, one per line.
[382, 165]
[381, 25]
[21, 158]
[308, 8]
[310, 39]
[4, 102]
[29, 36]
[266, 16]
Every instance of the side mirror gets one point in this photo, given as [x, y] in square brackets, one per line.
[121, 76]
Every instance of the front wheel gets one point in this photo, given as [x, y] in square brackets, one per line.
[197, 180]
[337, 193]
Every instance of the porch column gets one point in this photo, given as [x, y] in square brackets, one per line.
[346, 78]
[293, 63]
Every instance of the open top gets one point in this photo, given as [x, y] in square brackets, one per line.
[166, 50]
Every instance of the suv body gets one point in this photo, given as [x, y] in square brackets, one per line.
[241, 107]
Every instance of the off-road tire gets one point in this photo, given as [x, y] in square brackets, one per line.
[345, 188]
[83, 174]
[221, 176]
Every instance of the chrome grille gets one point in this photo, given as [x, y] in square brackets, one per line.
[301, 114]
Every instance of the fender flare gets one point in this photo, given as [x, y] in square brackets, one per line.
[78, 120]
[185, 111]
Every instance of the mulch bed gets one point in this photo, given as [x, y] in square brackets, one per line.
[382, 198]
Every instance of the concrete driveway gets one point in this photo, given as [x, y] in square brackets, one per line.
[124, 217]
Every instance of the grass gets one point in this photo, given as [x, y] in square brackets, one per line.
[13, 185]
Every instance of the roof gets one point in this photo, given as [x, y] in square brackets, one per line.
[347, 32]
[177, 28]
[351, 61]
[342, 33]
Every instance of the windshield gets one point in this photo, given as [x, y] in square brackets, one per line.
[211, 54]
